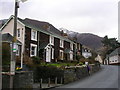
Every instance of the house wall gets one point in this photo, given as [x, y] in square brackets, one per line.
[81, 49]
[43, 38]
[114, 59]
[74, 51]
[27, 41]
[66, 46]
[119, 58]
[9, 29]
[56, 48]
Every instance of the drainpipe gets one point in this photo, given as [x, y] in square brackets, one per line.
[38, 44]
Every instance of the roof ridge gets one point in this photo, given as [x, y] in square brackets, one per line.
[36, 20]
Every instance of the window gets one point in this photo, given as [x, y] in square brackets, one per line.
[33, 50]
[34, 35]
[18, 33]
[52, 40]
[71, 46]
[115, 60]
[61, 54]
[61, 43]
[52, 53]
[18, 50]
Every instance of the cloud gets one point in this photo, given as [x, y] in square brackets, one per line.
[95, 16]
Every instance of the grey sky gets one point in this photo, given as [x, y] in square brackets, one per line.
[99, 17]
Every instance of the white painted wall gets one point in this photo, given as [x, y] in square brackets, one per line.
[86, 54]
[114, 59]
[98, 58]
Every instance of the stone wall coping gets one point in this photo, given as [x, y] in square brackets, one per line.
[68, 67]
[17, 72]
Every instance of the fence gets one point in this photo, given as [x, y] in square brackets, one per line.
[50, 83]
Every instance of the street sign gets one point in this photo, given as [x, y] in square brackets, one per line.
[14, 47]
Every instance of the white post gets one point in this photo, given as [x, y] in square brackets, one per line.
[119, 21]
[0, 61]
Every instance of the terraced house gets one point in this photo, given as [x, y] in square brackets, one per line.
[41, 39]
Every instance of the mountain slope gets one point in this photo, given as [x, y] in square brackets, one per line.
[87, 39]
[90, 40]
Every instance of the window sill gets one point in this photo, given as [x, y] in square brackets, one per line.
[34, 39]
[61, 46]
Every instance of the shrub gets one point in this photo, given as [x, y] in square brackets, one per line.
[36, 60]
[27, 60]
[46, 72]
[6, 54]
[18, 60]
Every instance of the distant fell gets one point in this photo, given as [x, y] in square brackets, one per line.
[88, 39]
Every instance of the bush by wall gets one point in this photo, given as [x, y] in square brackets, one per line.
[46, 72]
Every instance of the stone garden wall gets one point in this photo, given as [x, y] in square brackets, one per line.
[27, 79]
[75, 73]
[21, 80]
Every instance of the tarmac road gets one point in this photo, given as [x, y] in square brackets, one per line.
[107, 77]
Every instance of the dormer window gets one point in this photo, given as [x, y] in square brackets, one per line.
[18, 32]
[33, 35]
[51, 40]
[61, 43]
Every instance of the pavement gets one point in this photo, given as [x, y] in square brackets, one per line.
[107, 77]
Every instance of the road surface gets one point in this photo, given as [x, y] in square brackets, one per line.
[107, 77]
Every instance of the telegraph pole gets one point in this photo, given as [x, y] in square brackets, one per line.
[14, 46]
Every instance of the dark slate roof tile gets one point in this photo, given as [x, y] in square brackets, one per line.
[9, 38]
[115, 52]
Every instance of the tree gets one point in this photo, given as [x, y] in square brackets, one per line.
[109, 45]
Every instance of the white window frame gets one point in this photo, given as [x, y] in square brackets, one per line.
[18, 50]
[52, 53]
[71, 46]
[61, 55]
[51, 40]
[32, 37]
[18, 33]
[61, 43]
[35, 53]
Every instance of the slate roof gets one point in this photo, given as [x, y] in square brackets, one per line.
[2, 22]
[41, 26]
[115, 52]
[8, 38]
[44, 27]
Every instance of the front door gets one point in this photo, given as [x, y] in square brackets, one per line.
[48, 55]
